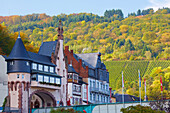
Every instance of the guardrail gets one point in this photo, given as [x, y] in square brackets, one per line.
[98, 108]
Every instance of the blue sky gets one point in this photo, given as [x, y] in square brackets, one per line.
[55, 7]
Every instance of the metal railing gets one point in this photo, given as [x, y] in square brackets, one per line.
[96, 108]
[103, 91]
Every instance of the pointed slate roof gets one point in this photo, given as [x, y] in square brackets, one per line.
[71, 69]
[127, 98]
[47, 48]
[18, 51]
[89, 59]
[40, 58]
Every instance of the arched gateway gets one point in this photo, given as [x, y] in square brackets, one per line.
[41, 98]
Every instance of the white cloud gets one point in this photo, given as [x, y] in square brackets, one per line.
[155, 4]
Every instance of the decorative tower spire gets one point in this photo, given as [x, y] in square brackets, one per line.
[41, 39]
[60, 31]
[19, 34]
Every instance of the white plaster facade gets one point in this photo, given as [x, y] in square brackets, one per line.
[61, 70]
[98, 91]
[3, 79]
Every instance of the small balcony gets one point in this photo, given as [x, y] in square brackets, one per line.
[76, 92]
[94, 89]
[107, 92]
[45, 85]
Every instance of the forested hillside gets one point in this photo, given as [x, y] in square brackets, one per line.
[144, 35]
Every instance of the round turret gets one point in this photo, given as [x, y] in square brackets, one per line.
[18, 60]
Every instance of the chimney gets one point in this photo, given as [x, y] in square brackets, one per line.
[72, 52]
[66, 47]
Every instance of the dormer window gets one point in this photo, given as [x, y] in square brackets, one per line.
[53, 48]
[27, 63]
[11, 63]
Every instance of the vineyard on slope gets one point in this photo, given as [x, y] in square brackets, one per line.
[130, 69]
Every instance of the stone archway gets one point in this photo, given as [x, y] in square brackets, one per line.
[44, 96]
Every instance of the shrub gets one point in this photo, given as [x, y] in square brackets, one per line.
[63, 110]
[139, 109]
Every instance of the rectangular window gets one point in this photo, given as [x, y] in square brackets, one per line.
[106, 87]
[70, 76]
[12, 63]
[51, 79]
[57, 81]
[84, 86]
[90, 96]
[100, 85]
[97, 84]
[40, 67]
[33, 77]
[79, 88]
[46, 68]
[17, 75]
[94, 96]
[52, 69]
[101, 98]
[34, 66]
[40, 78]
[85, 95]
[22, 76]
[46, 79]
[94, 84]
[74, 87]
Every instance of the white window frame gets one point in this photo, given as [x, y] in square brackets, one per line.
[57, 81]
[40, 67]
[27, 63]
[40, 78]
[52, 69]
[46, 79]
[11, 62]
[34, 66]
[51, 79]
[46, 68]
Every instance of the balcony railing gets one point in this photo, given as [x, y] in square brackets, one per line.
[45, 85]
[77, 92]
[94, 89]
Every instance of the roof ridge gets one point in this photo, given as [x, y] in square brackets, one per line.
[50, 41]
[87, 53]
